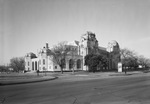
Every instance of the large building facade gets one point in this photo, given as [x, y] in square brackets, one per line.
[88, 44]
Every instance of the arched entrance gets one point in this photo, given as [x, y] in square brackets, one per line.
[32, 65]
[63, 62]
[35, 65]
[78, 64]
[70, 64]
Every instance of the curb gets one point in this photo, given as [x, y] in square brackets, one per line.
[120, 74]
[123, 74]
[27, 81]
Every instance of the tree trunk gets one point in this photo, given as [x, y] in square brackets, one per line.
[125, 70]
[61, 70]
[73, 70]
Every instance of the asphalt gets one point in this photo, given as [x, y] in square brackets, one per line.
[129, 89]
[48, 77]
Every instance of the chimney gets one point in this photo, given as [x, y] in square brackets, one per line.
[46, 45]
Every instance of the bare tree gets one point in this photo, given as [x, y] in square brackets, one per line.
[145, 62]
[59, 53]
[129, 58]
[17, 63]
[95, 62]
[4, 68]
[73, 53]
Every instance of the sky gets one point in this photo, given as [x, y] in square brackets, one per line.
[26, 25]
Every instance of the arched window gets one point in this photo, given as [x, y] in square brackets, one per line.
[39, 62]
[43, 61]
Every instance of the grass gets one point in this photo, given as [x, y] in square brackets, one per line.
[7, 76]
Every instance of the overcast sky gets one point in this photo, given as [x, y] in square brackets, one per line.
[26, 25]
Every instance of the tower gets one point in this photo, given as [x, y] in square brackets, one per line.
[88, 45]
[114, 54]
[28, 61]
[44, 58]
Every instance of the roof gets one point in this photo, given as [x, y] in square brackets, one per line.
[114, 43]
[73, 43]
[31, 54]
[102, 48]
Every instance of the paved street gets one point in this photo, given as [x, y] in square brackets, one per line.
[132, 89]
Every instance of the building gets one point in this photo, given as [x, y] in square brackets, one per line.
[88, 44]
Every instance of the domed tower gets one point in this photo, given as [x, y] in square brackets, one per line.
[44, 58]
[114, 54]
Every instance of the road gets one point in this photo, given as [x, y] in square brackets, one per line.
[116, 90]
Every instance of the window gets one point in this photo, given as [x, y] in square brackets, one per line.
[39, 62]
[49, 67]
[44, 68]
[55, 67]
[36, 65]
[32, 65]
[28, 63]
[43, 61]
[78, 63]
[70, 63]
